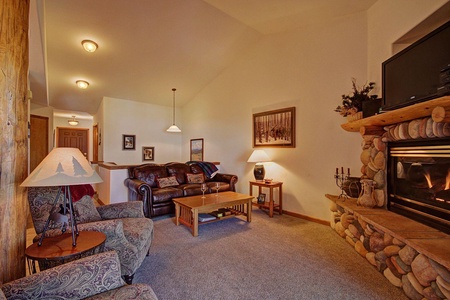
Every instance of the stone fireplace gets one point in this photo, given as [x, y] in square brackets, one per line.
[411, 190]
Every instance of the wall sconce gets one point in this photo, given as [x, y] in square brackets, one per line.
[73, 121]
[89, 46]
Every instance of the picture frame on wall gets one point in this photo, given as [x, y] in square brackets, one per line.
[275, 128]
[148, 153]
[196, 149]
[129, 142]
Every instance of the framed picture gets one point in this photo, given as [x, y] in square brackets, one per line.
[129, 142]
[261, 198]
[274, 128]
[148, 153]
[197, 149]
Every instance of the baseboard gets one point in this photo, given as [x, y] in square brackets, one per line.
[308, 218]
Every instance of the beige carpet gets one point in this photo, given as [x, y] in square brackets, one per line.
[279, 258]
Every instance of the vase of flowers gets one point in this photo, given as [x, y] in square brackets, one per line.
[352, 104]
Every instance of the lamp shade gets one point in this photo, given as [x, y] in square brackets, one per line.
[258, 156]
[62, 167]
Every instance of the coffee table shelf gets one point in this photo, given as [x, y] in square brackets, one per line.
[188, 208]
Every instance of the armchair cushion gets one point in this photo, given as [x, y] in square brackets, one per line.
[75, 280]
[85, 211]
[120, 210]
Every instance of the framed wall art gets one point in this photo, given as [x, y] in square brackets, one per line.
[197, 149]
[129, 142]
[275, 128]
[148, 153]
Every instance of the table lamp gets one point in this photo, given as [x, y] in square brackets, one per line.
[63, 167]
[258, 157]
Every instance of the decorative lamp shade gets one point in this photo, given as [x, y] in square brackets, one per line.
[63, 167]
[258, 156]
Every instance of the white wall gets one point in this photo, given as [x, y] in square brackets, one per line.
[309, 69]
[148, 122]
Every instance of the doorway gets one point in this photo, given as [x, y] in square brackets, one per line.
[38, 140]
[74, 138]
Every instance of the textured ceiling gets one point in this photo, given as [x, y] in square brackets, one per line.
[147, 47]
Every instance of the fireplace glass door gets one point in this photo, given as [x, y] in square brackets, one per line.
[419, 183]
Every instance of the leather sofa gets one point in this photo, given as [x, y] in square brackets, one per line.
[143, 185]
[92, 277]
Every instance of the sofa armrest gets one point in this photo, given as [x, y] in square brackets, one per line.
[78, 279]
[133, 209]
[228, 178]
[140, 190]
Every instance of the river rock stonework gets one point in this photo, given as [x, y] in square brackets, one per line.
[417, 275]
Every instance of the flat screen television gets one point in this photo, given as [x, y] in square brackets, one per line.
[412, 75]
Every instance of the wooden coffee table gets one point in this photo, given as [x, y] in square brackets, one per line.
[188, 208]
[59, 250]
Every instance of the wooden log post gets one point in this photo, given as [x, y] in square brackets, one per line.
[371, 130]
[439, 114]
[13, 132]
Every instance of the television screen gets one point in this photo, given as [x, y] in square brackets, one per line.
[412, 75]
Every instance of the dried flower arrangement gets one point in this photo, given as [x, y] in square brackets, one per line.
[352, 104]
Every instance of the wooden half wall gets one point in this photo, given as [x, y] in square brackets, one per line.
[13, 144]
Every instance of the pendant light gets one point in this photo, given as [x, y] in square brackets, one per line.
[173, 128]
[73, 121]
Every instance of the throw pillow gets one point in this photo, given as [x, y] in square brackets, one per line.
[85, 211]
[164, 182]
[195, 178]
[78, 191]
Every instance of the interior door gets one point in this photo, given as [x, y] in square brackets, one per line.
[74, 138]
[38, 140]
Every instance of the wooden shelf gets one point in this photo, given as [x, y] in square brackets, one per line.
[403, 114]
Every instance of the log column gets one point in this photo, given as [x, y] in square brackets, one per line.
[13, 144]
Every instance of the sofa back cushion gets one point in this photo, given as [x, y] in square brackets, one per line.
[148, 173]
[178, 170]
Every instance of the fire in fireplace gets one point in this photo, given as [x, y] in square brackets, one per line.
[419, 181]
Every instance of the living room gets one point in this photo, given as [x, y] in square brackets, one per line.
[308, 68]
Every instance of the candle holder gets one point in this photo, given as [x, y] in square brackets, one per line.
[340, 179]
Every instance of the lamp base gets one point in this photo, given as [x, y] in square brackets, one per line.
[259, 172]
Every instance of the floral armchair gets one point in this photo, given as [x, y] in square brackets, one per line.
[127, 231]
[93, 277]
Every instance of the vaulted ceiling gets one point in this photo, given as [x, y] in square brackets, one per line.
[147, 47]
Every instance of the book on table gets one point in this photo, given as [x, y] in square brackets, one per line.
[205, 217]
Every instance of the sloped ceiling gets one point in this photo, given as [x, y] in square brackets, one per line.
[147, 47]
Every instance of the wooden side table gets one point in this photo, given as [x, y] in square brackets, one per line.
[58, 250]
[269, 204]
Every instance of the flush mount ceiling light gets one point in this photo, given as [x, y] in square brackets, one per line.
[73, 121]
[82, 84]
[173, 128]
[89, 46]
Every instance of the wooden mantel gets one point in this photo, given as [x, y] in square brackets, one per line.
[404, 114]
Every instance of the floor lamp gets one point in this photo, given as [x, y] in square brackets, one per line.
[63, 167]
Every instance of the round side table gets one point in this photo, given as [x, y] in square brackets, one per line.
[59, 250]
